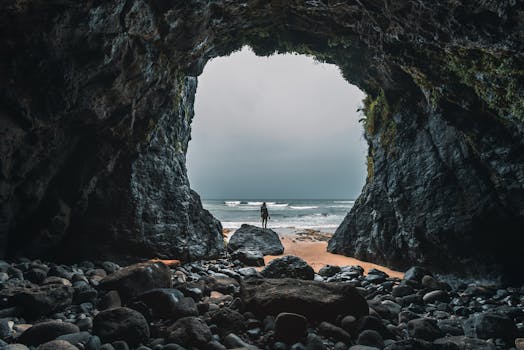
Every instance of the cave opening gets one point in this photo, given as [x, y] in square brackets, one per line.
[285, 129]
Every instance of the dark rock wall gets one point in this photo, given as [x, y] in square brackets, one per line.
[97, 98]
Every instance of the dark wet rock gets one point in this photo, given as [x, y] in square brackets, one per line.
[424, 328]
[57, 345]
[363, 347]
[163, 302]
[349, 324]
[288, 266]
[233, 341]
[121, 324]
[312, 299]
[466, 343]
[120, 345]
[374, 323]
[39, 300]
[416, 273]
[490, 325]
[432, 283]
[249, 257]
[370, 337]
[228, 321]
[329, 270]
[110, 300]
[418, 344]
[134, 280]
[15, 347]
[190, 331]
[331, 331]
[35, 275]
[257, 239]
[314, 342]
[46, 331]
[290, 327]
[222, 284]
[436, 295]
[401, 291]
[79, 339]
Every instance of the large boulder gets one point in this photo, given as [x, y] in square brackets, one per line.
[254, 238]
[38, 301]
[289, 266]
[121, 324]
[490, 325]
[312, 299]
[134, 280]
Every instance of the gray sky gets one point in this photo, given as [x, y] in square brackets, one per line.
[276, 127]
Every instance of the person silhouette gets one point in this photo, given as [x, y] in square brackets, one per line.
[264, 214]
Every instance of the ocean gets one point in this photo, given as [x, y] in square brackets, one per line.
[295, 214]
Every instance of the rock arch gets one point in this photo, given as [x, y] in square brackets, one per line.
[97, 100]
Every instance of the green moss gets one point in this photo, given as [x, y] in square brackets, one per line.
[496, 79]
[370, 166]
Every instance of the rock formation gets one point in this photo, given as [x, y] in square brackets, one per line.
[97, 99]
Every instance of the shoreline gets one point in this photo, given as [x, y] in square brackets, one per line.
[311, 246]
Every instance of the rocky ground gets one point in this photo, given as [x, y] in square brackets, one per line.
[222, 304]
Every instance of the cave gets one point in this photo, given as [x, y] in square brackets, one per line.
[97, 101]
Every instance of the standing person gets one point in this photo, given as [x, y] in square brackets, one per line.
[264, 214]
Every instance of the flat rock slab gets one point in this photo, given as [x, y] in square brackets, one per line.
[312, 299]
[255, 238]
[134, 280]
[37, 301]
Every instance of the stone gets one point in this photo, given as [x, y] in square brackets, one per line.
[349, 324]
[374, 323]
[15, 347]
[372, 338]
[36, 275]
[312, 299]
[416, 273]
[163, 302]
[255, 238]
[249, 257]
[110, 300]
[331, 331]
[46, 331]
[467, 343]
[329, 270]
[222, 284]
[190, 331]
[228, 321]
[79, 339]
[363, 347]
[121, 324]
[57, 345]
[424, 328]
[134, 280]
[288, 266]
[42, 300]
[490, 325]
[233, 341]
[436, 295]
[401, 291]
[290, 328]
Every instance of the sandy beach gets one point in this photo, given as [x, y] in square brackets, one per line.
[311, 245]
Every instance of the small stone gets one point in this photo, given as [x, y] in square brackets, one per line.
[436, 295]
[424, 328]
[121, 324]
[46, 331]
[189, 331]
[329, 270]
[330, 330]
[490, 325]
[110, 300]
[57, 345]
[288, 266]
[290, 327]
[416, 273]
[349, 324]
[370, 337]
[120, 345]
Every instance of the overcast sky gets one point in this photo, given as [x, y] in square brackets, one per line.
[275, 127]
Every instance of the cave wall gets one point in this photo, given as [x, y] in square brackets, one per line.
[97, 98]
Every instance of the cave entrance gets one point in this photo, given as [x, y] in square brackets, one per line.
[282, 129]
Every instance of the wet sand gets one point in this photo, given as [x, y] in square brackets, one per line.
[316, 255]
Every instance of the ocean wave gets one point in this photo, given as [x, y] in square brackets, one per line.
[277, 205]
[254, 203]
[232, 203]
[303, 207]
[344, 202]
